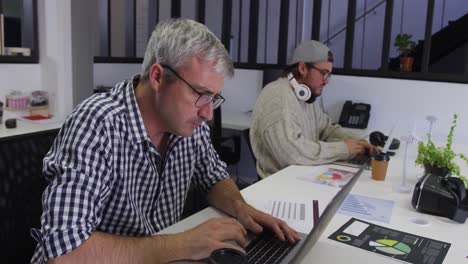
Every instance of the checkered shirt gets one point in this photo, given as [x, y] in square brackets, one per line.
[106, 175]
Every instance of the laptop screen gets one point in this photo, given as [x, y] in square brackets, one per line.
[325, 218]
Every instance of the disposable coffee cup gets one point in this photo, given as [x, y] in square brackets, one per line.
[379, 166]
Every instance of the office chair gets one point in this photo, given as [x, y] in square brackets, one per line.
[21, 187]
[246, 135]
[228, 148]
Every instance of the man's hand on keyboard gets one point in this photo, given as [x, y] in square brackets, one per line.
[255, 220]
[212, 235]
[368, 148]
[354, 146]
[360, 147]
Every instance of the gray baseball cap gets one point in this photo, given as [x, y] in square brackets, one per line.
[312, 51]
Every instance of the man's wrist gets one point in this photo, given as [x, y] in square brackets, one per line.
[174, 247]
[238, 207]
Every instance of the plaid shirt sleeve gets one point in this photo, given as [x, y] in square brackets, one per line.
[77, 168]
[209, 168]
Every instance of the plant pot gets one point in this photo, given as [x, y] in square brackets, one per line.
[437, 171]
[406, 64]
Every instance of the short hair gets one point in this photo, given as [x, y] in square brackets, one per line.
[175, 41]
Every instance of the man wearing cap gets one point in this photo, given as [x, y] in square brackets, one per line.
[288, 127]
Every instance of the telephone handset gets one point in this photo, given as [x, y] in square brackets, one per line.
[355, 115]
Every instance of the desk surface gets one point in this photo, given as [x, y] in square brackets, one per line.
[286, 183]
[236, 120]
[27, 127]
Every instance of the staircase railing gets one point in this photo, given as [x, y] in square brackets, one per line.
[356, 20]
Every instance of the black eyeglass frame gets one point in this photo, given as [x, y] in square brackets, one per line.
[203, 99]
[326, 75]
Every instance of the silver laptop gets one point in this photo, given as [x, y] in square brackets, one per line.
[276, 251]
[365, 159]
[356, 161]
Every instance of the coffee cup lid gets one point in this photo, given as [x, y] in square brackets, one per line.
[381, 156]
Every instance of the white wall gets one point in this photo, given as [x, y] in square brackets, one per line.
[62, 69]
[392, 100]
[406, 101]
[109, 74]
[82, 46]
[23, 77]
[241, 91]
[53, 73]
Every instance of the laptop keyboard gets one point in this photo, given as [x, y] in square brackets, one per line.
[361, 159]
[266, 248]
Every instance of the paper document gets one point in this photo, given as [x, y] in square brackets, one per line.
[367, 208]
[297, 214]
[328, 176]
[391, 243]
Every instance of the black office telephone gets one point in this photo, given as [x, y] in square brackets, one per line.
[355, 115]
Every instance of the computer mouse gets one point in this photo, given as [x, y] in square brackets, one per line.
[227, 256]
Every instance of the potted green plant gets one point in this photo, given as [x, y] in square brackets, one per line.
[440, 160]
[405, 46]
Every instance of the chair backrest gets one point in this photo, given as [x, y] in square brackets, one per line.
[246, 135]
[271, 74]
[21, 187]
[228, 148]
[216, 128]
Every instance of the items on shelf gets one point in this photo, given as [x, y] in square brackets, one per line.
[37, 103]
[16, 51]
[10, 123]
[17, 101]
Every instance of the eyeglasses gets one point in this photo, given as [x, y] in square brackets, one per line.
[325, 73]
[203, 99]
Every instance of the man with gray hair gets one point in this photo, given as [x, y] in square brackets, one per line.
[288, 128]
[121, 165]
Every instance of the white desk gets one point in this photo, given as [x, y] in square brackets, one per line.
[329, 251]
[236, 120]
[26, 127]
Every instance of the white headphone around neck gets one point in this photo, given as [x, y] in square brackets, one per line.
[302, 91]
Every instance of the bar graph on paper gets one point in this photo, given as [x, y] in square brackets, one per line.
[289, 210]
[297, 213]
[366, 207]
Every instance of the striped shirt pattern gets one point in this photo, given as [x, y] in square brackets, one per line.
[105, 175]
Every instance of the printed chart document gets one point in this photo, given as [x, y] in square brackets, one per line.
[391, 243]
[296, 213]
[329, 176]
[366, 207]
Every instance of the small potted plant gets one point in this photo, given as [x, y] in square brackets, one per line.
[439, 160]
[405, 46]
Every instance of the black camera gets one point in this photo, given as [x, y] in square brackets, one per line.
[444, 196]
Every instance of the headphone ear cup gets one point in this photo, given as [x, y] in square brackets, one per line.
[376, 138]
[302, 91]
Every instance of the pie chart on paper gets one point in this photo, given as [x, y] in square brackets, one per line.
[390, 246]
[330, 176]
